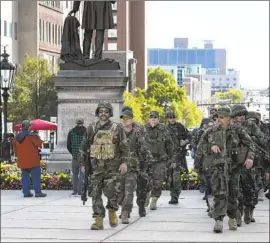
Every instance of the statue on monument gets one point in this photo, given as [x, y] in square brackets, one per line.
[98, 16]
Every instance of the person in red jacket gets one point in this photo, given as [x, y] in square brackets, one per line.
[27, 146]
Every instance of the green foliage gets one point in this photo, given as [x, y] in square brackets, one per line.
[235, 95]
[162, 89]
[33, 95]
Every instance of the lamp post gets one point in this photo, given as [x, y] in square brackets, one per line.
[7, 79]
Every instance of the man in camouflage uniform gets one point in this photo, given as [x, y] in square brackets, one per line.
[199, 166]
[254, 120]
[220, 145]
[181, 137]
[104, 150]
[137, 148]
[247, 190]
[162, 149]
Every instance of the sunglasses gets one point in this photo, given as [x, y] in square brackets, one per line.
[103, 111]
[172, 117]
[125, 118]
[153, 117]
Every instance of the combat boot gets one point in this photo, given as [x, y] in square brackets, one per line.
[142, 211]
[98, 225]
[153, 205]
[260, 196]
[252, 219]
[267, 195]
[232, 224]
[125, 217]
[174, 200]
[113, 218]
[147, 201]
[218, 228]
[247, 218]
[238, 218]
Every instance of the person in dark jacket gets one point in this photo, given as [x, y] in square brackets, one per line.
[74, 139]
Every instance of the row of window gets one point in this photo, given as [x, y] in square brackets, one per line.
[174, 57]
[49, 32]
[220, 79]
[9, 29]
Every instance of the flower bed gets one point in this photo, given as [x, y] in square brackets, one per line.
[10, 179]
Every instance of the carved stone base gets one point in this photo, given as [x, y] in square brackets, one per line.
[79, 93]
[91, 64]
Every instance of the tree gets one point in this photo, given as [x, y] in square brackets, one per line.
[33, 96]
[162, 89]
[235, 95]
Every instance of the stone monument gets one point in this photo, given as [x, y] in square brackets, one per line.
[82, 83]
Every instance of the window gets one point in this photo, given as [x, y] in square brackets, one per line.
[181, 57]
[10, 30]
[114, 6]
[67, 2]
[227, 79]
[201, 57]
[234, 79]
[46, 32]
[213, 79]
[43, 30]
[5, 28]
[172, 57]
[59, 34]
[115, 19]
[40, 29]
[220, 79]
[112, 33]
[15, 31]
[50, 33]
[192, 56]
[112, 46]
[152, 57]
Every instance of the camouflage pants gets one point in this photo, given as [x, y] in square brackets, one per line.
[225, 192]
[108, 183]
[174, 181]
[258, 174]
[128, 184]
[143, 187]
[246, 190]
[157, 178]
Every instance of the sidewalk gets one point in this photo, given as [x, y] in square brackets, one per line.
[60, 217]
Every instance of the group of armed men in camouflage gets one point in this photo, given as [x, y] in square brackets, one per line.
[119, 159]
[232, 155]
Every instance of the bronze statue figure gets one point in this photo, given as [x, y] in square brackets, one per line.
[97, 15]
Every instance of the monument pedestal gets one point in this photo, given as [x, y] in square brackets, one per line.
[79, 92]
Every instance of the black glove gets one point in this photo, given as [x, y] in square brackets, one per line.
[83, 196]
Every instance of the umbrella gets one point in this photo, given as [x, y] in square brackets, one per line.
[39, 125]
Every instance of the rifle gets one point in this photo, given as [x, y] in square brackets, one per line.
[262, 150]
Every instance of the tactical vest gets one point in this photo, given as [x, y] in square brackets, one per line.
[157, 142]
[103, 147]
[238, 150]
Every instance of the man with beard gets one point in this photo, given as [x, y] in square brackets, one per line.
[137, 148]
[180, 137]
[104, 150]
[74, 140]
[220, 143]
[162, 149]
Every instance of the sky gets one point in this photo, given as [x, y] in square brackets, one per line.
[242, 28]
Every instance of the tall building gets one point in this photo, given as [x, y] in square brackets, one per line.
[9, 29]
[208, 57]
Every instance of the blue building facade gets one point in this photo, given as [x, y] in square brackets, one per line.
[208, 58]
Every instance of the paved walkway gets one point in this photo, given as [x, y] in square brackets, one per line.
[60, 217]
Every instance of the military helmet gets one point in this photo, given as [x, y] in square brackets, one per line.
[104, 105]
[253, 114]
[238, 110]
[224, 111]
[170, 114]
